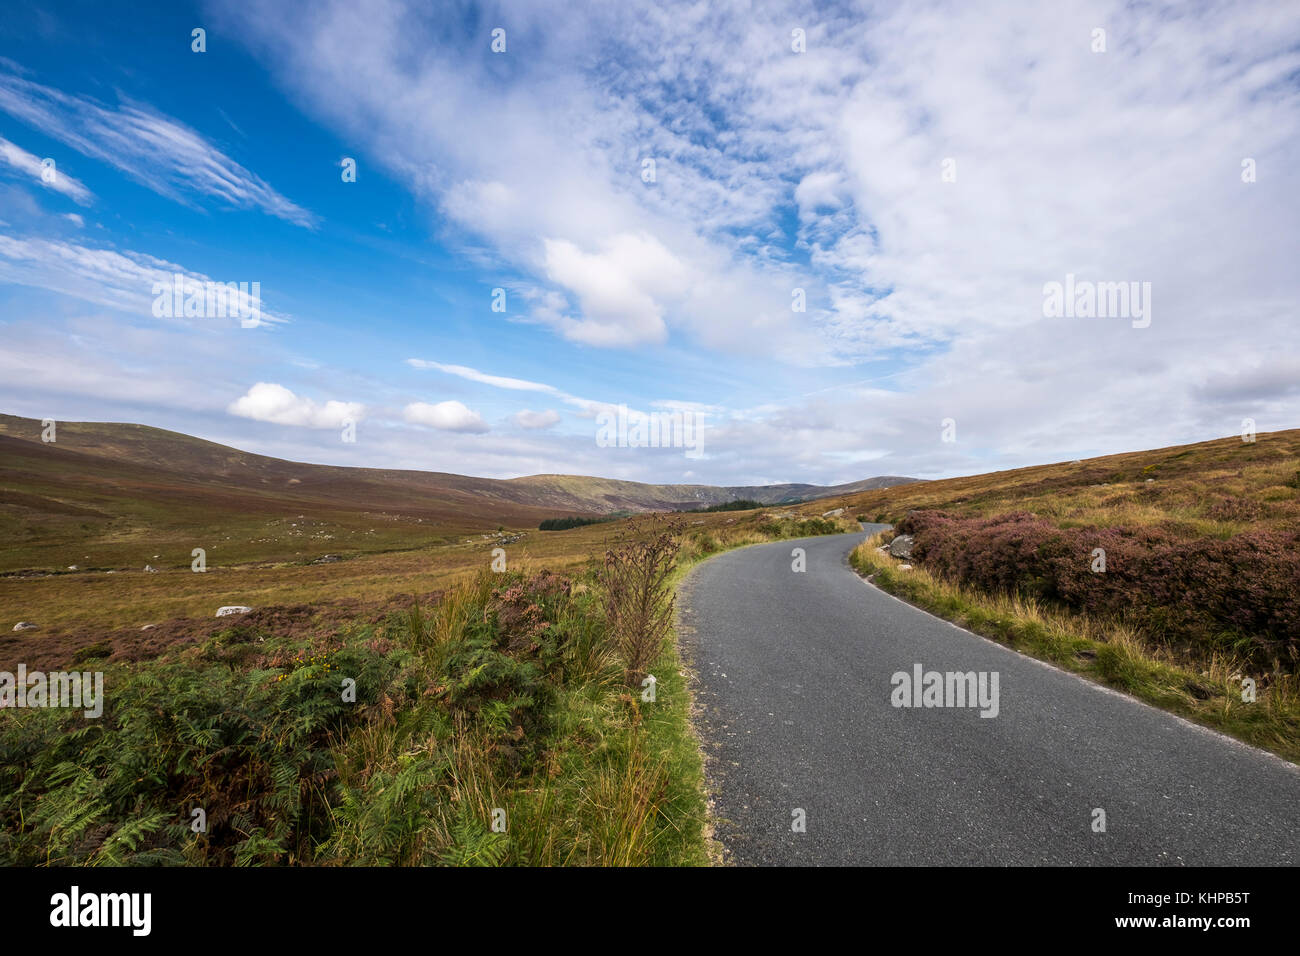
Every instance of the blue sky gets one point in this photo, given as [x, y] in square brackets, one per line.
[775, 169]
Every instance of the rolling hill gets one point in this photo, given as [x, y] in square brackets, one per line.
[114, 488]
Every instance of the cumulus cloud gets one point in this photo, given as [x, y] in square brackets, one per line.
[449, 416]
[269, 402]
[620, 287]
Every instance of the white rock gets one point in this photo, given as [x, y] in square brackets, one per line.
[151, 569]
[25, 626]
[833, 514]
[72, 567]
[901, 546]
[905, 567]
[232, 609]
[148, 627]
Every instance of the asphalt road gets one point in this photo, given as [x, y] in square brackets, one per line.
[794, 698]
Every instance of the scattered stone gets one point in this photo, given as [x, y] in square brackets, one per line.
[833, 514]
[151, 569]
[73, 567]
[1150, 480]
[25, 626]
[905, 567]
[901, 546]
[148, 627]
[232, 609]
[327, 559]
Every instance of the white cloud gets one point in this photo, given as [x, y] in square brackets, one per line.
[512, 384]
[621, 288]
[119, 280]
[535, 420]
[823, 171]
[449, 416]
[156, 151]
[32, 166]
[474, 375]
[269, 402]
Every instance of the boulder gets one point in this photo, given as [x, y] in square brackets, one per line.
[901, 546]
[151, 569]
[833, 514]
[25, 626]
[232, 609]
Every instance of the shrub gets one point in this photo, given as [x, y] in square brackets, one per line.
[1235, 509]
[1238, 594]
[638, 598]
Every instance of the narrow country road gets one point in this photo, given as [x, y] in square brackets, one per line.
[794, 699]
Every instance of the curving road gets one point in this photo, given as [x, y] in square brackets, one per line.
[793, 698]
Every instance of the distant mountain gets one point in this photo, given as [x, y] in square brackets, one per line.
[111, 483]
[608, 494]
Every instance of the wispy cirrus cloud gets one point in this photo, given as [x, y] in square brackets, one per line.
[589, 406]
[156, 151]
[120, 280]
[483, 378]
[30, 166]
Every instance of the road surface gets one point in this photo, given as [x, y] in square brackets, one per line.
[796, 673]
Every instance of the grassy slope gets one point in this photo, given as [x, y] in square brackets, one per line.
[1188, 481]
[119, 496]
